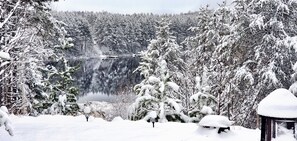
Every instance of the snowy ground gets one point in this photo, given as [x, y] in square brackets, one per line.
[67, 128]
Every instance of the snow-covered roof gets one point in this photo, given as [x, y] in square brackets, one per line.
[215, 121]
[281, 103]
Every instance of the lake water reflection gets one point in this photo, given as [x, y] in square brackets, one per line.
[106, 75]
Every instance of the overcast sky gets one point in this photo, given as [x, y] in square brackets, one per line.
[134, 6]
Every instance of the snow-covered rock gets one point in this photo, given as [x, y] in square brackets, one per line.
[281, 103]
[215, 121]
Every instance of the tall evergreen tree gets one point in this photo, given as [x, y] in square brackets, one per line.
[28, 31]
[157, 92]
[261, 40]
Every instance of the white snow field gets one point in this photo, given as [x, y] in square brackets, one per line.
[68, 128]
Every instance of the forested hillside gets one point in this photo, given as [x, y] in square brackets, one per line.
[118, 33]
[102, 33]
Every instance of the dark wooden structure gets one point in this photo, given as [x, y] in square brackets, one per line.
[269, 126]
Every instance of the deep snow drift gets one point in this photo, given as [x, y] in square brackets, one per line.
[67, 128]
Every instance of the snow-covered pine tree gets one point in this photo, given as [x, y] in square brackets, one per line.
[206, 54]
[30, 43]
[262, 43]
[157, 92]
[24, 29]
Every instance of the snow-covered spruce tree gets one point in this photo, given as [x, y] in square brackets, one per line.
[261, 44]
[157, 92]
[170, 51]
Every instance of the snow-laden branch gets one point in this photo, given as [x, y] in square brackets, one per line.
[10, 14]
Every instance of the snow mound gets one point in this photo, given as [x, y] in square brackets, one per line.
[281, 103]
[117, 119]
[215, 121]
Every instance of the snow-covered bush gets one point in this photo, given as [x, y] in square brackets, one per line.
[98, 109]
[4, 120]
[121, 105]
[201, 105]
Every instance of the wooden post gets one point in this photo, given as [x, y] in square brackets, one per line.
[268, 130]
[273, 128]
[263, 126]
[258, 120]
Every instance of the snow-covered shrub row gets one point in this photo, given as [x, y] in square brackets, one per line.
[104, 110]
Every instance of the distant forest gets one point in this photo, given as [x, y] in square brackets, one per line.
[102, 33]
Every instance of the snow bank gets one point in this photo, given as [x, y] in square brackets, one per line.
[281, 103]
[69, 128]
